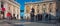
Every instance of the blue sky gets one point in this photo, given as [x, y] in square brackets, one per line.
[22, 2]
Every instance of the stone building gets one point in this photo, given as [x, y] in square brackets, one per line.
[50, 7]
[10, 6]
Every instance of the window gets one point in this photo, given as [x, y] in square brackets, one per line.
[1, 6]
[38, 8]
[14, 8]
[17, 16]
[50, 10]
[51, 7]
[14, 15]
[44, 7]
[38, 4]
[57, 10]
[9, 8]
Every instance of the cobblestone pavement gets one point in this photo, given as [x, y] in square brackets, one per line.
[23, 23]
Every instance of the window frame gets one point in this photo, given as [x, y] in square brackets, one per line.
[44, 8]
[51, 6]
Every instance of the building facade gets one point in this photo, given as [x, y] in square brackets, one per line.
[12, 7]
[50, 7]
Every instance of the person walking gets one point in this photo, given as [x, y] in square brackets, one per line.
[9, 16]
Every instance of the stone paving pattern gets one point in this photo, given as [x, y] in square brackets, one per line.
[24, 23]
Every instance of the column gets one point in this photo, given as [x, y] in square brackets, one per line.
[29, 12]
[12, 10]
[47, 8]
[54, 10]
[19, 14]
[16, 12]
[35, 9]
[6, 7]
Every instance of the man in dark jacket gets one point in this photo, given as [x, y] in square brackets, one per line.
[32, 14]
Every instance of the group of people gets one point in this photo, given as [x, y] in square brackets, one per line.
[39, 17]
[9, 16]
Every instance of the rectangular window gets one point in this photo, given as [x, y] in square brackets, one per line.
[37, 10]
[51, 7]
[57, 10]
[44, 7]
[50, 10]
